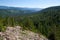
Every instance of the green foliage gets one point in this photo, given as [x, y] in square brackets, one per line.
[2, 28]
[45, 22]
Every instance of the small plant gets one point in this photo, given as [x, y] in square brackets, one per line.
[2, 28]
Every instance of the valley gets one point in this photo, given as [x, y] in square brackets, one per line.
[44, 21]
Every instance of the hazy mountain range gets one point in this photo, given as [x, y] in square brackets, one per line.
[15, 11]
[20, 8]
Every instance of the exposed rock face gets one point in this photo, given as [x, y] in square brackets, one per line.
[16, 33]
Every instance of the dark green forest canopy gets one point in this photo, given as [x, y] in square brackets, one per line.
[46, 21]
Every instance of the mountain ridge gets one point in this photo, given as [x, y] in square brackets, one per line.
[19, 8]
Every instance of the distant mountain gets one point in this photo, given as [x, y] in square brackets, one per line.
[20, 8]
[16, 11]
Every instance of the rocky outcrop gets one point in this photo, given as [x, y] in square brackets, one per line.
[16, 33]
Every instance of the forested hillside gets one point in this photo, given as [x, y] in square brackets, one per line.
[46, 21]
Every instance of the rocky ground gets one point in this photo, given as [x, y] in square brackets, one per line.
[16, 33]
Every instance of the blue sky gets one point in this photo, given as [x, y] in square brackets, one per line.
[30, 3]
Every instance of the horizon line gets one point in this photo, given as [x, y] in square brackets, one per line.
[26, 7]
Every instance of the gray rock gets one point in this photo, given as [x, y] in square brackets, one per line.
[16, 33]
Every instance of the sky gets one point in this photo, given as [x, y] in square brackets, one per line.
[30, 3]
